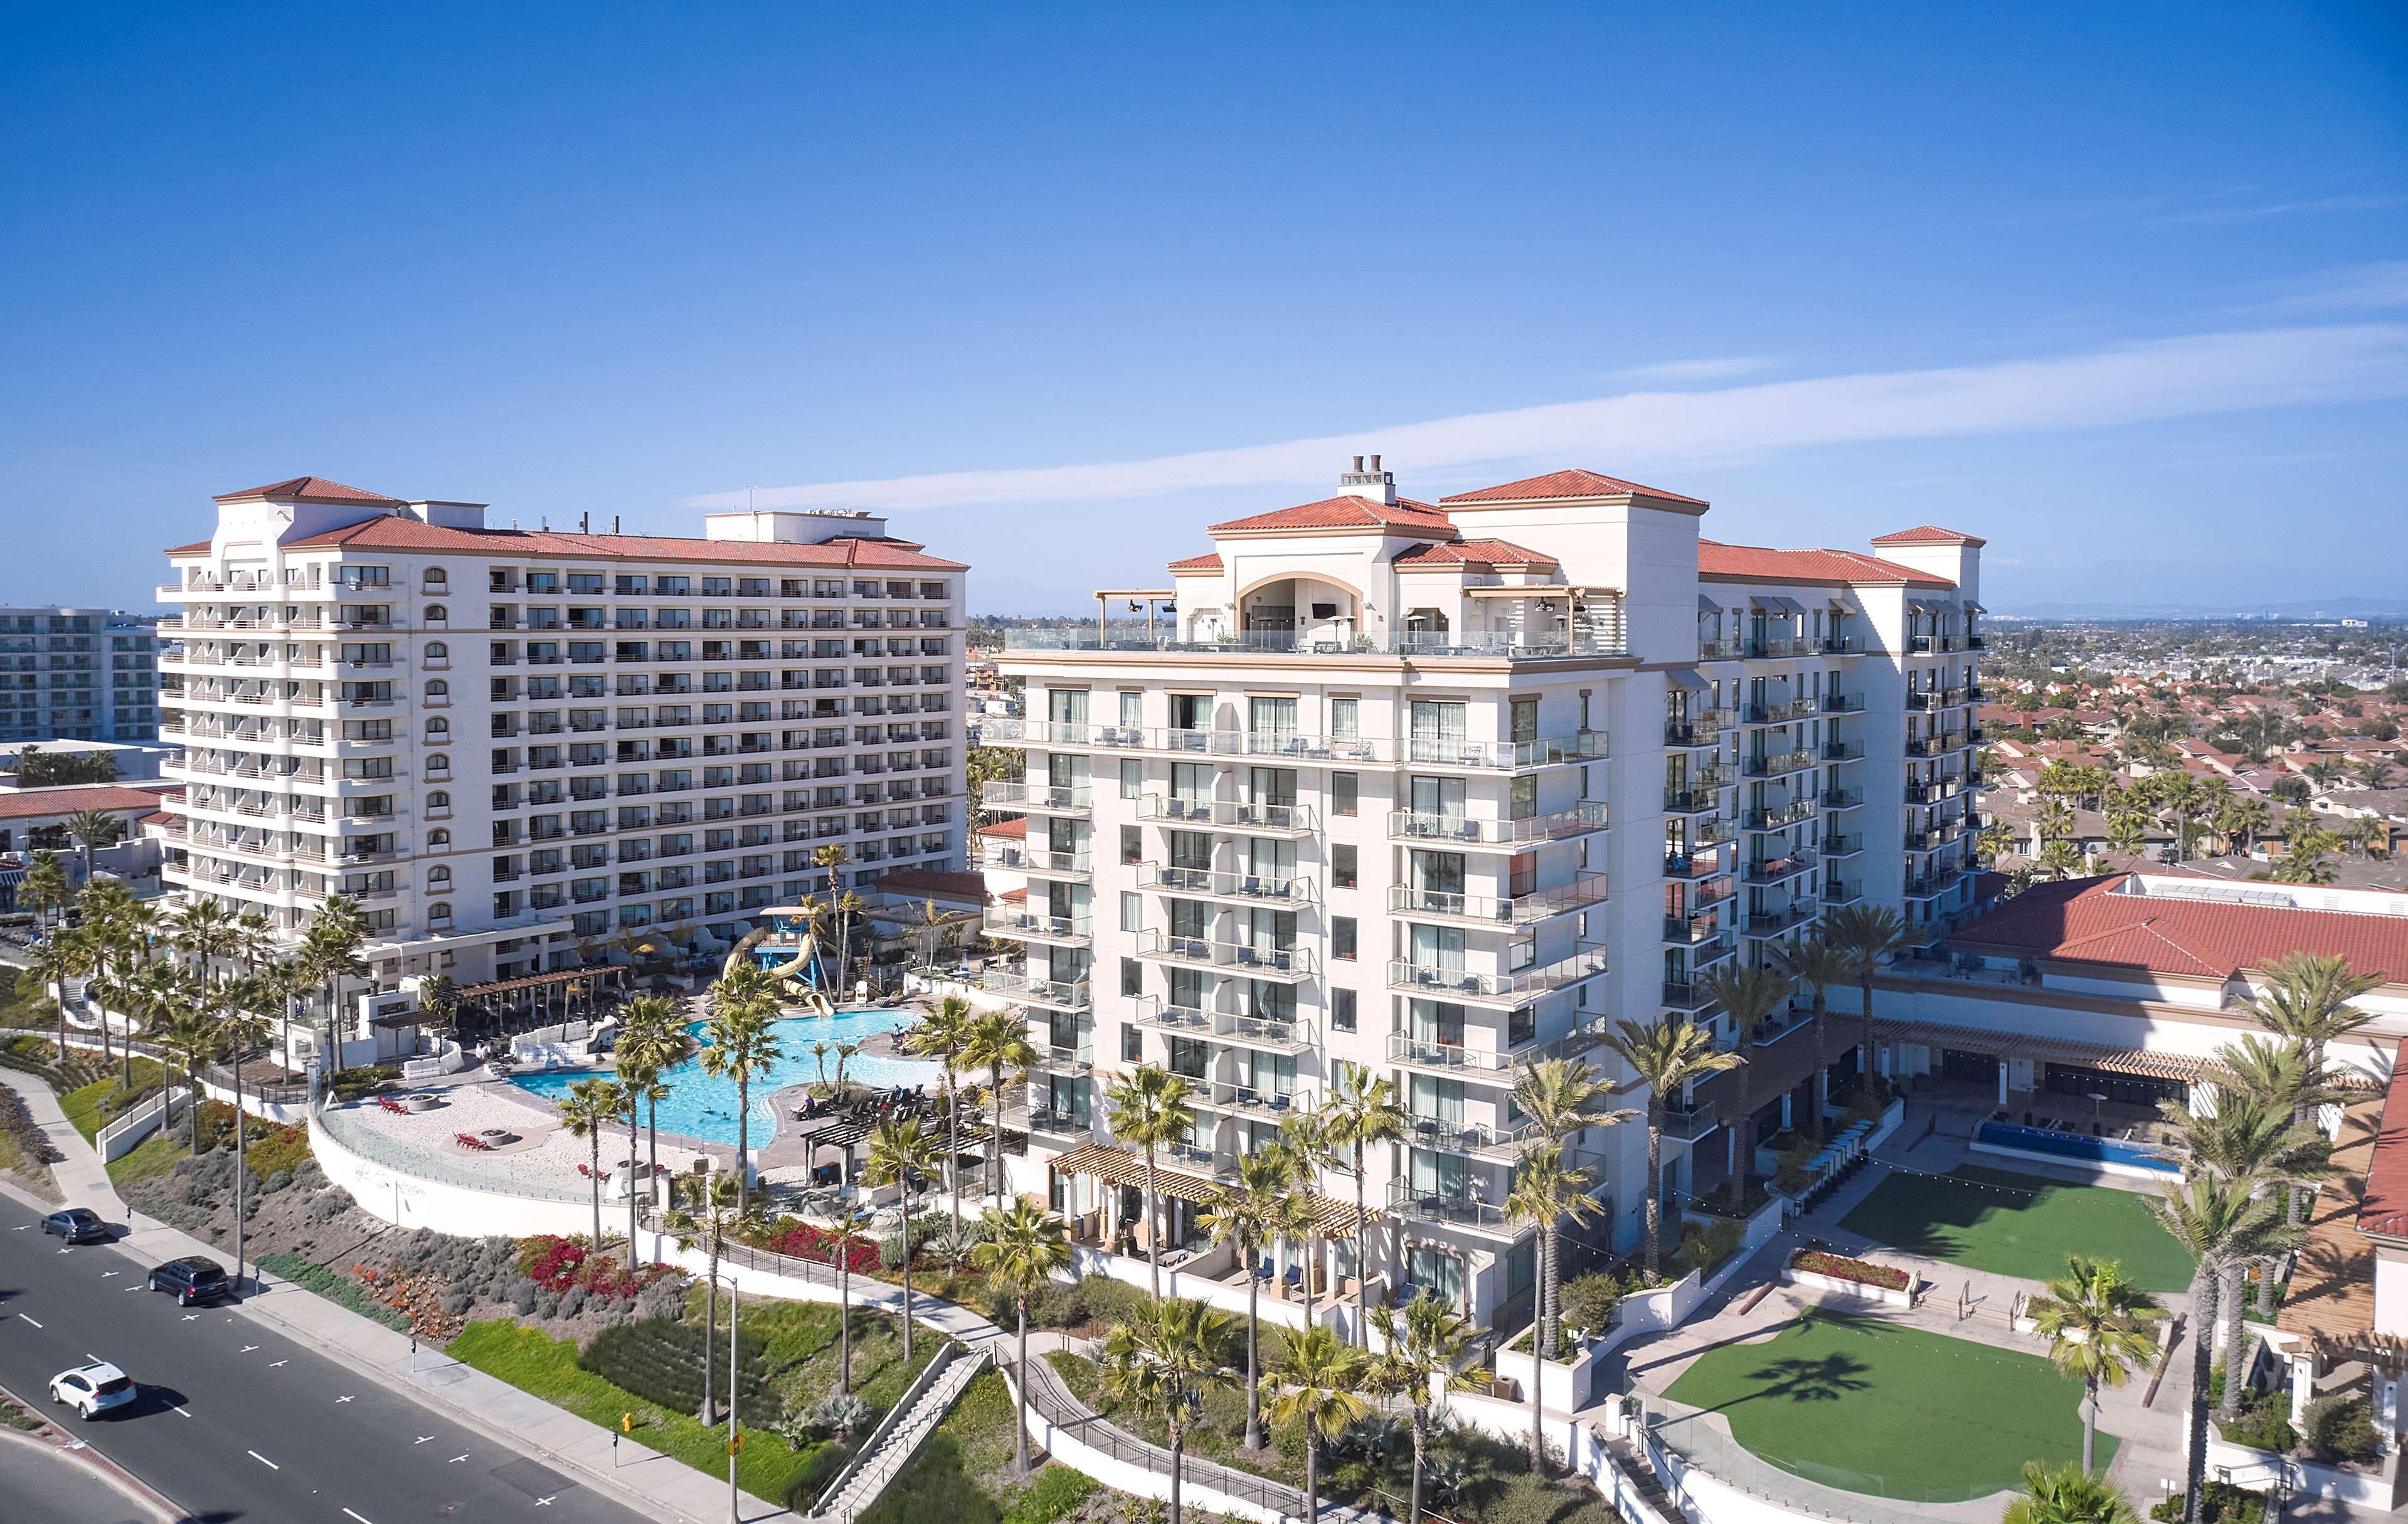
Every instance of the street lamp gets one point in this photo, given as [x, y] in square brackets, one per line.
[735, 1440]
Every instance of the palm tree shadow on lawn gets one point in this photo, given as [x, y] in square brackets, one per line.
[1804, 1378]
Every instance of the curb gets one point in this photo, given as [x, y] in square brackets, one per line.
[136, 1490]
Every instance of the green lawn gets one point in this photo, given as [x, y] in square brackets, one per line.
[535, 1361]
[1868, 1406]
[87, 1108]
[153, 1157]
[2019, 1225]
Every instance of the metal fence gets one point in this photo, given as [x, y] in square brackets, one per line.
[1058, 1405]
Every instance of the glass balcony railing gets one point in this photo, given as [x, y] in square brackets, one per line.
[1261, 962]
[1464, 984]
[1467, 831]
[1227, 815]
[1520, 910]
[1210, 883]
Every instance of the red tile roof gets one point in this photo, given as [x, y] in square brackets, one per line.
[1488, 552]
[1716, 559]
[1007, 830]
[1347, 511]
[1574, 483]
[1209, 561]
[308, 490]
[202, 548]
[35, 803]
[393, 533]
[2384, 1207]
[2083, 921]
[934, 884]
[1927, 534]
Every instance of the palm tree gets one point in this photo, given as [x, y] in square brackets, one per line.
[651, 1035]
[52, 962]
[1305, 1147]
[927, 927]
[2236, 1138]
[1145, 1109]
[1424, 1357]
[2053, 820]
[1667, 1056]
[997, 1041]
[191, 1036]
[2307, 998]
[2217, 1221]
[1546, 1193]
[243, 1028]
[589, 1106]
[1023, 1249]
[46, 892]
[1817, 964]
[739, 1042]
[331, 951]
[1317, 1382]
[842, 1240]
[1362, 1112]
[1257, 1213]
[713, 1212]
[831, 859]
[1159, 1361]
[92, 829]
[1750, 992]
[2096, 1323]
[1558, 1095]
[203, 931]
[2068, 1495]
[2059, 858]
[902, 1154]
[1868, 934]
[944, 1034]
[638, 1079]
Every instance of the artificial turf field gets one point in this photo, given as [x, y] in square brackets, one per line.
[2019, 1225]
[1868, 1406]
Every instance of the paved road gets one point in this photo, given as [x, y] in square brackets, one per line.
[241, 1426]
[36, 1482]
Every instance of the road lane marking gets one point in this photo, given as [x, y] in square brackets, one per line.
[105, 1273]
[362, 1519]
[274, 1363]
[192, 1317]
[262, 1461]
[455, 1459]
[134, 1287]
[29, 1320]
[249, 1348]
[342, 1398]
[545, 1503]
[423, 1439]
[186, 1412]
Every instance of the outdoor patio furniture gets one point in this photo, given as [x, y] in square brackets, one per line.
[389, 1104]
[471, 1142]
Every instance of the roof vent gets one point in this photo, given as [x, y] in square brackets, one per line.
[1375, 485]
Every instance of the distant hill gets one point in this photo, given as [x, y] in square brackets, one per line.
[2344, 607]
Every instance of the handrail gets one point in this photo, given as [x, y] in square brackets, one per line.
[912, 1394]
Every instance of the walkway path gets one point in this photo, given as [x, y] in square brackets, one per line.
[656, 1484]
[892, 1450]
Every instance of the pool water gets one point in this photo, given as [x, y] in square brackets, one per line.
[701, 1106]
[2073, 1146]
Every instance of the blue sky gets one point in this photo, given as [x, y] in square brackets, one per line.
[2123, 287]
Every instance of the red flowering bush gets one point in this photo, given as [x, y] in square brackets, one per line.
[1841, 1267]
[800, 1240]
[557, 1264]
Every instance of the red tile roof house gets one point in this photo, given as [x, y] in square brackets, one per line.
[35, 819]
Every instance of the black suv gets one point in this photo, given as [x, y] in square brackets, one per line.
[76, 1225]
[193, 1280]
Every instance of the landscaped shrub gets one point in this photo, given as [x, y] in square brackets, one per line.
[1105, 1300]
[283, 1149]
[2338, 1428]
[661, 1361]
[33, 1144]
[2226, 1504]
[1589, 1301]
[333, 1286]
[1056, 1494]
[1705, 1245]
[2264, 1422]
[351, 1084]
[559, 1265]
[1842, 1267]
[800, 1240]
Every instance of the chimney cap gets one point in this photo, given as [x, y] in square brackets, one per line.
[1375, 463]
[1358, 463]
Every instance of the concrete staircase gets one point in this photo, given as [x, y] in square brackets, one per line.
[899, 1436]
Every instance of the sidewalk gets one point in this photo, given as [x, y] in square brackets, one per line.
[644, 1479]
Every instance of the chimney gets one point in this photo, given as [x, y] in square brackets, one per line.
[1358, 463]
[1375, 463]
[615, 523]
[1373, 485]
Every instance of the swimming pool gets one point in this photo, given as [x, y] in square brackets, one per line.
[2113, 1153]
[701, 1106]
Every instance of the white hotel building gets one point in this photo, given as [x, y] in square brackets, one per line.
[505, 744]
[1437, 788]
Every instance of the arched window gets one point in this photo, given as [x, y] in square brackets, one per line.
[439, 879]
[437, 614]
[437, 728]
[437, 691]
[438, 651]
[440, 799]
[438, 765]
[439, 913]
[436, 578]
[438, 837]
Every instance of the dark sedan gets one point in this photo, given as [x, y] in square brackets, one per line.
[76, 1225]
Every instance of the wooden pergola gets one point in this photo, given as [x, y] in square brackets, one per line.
[499, 1002]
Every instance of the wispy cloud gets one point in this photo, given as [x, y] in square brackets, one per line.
[2291, 208]
[2358, 288]
[1710, 368]
[2176, 377]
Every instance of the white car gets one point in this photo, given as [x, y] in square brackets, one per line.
[92, 1389]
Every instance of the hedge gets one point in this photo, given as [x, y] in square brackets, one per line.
[660, 1360]
[1841, 1267]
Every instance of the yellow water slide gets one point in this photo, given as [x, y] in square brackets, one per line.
[793, 970]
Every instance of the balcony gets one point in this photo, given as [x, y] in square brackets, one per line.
[1410, 645]
[1928, 699]
[1517, 988]
[1045, 1121]
[1287, 965]
[1843, 797]
[1687, 931]
[1186, 1020]
[1701, 864]
[1460, 1137]
[1463, 1208]
[1702, 729]
[1934, 791]
[1777, 817]
[1843, 703]
[1504, 756]
[1764, 924]
[1039, 863]
[1932, 885]
[1227, 815]
[1335, 750]
[1937, 745]
[1785, 712]
[1053, 994]
[1522, 910]
[1461, 831]
[1279, 1036]
[1038, 799]
[1027, 926]
[1247, 1099]
[1839, 846]
[1776, 764]
[1780, 869]
[1836, 893]
[1056, 1060]
[1702, 797]
[1687, 1124]
[1840, 752]
[1246, 889]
